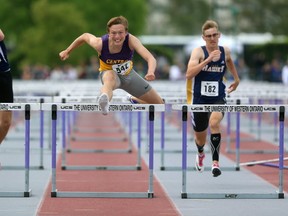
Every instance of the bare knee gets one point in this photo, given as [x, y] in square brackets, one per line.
[214, 126]
[200, 137]
[5, 124]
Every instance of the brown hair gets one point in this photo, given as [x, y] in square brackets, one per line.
[209, 24]
[117, 20]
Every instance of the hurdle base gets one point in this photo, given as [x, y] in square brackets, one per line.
[99, 150]
[233, 196]
[172, 151]
[281, 195]
[16, 193]
[184, 195]
[247, 151]
[100, 139]
[54, 194]
[70, 194]
[101, 167]
[21, 167]
[172, 168]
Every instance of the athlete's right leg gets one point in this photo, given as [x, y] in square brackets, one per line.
[200, 141]
[200, 125]
[110, 82]
[5, 122]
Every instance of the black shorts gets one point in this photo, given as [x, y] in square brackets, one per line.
[6, 87]
[200, 120]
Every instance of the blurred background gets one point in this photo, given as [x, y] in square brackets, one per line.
[37, 30]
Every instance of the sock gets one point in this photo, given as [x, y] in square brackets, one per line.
[215, 140]
[200, 148]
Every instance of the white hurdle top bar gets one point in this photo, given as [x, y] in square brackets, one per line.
[92, 107]
[19, 106]
[228, 108]
[32, 99]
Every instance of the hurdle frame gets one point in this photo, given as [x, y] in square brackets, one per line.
[27, 108]
[33, 99]
[88, 99]
[66, 138]
[230, 101]
[135, 107]
[207, 108]
[259, 127]
[118, 167]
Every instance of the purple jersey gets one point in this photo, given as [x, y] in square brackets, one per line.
[108, 59]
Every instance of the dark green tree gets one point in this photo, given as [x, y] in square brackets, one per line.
[51, 24]
[187, 17]
[262, 16]
[38, 30]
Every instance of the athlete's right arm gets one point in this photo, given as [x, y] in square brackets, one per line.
[196, 63]
[88, 38]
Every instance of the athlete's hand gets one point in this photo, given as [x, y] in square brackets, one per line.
[215, 55]
[150, 76]
[233, 87]
[64, 55]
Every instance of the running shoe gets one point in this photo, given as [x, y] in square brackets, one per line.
[104, 103]
[216, 170]
[131, 100]
[199, 162]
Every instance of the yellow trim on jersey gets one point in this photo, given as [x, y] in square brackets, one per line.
[104, 66]
[189, 91]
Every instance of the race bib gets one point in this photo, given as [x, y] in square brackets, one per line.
[209, 88]
[124, 68]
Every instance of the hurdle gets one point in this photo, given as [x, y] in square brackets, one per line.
[27, 109]
[169, 101]
[231, 108]
[33, 99]
[259, 127]
[88, 99]
[65, 139]
[230, 101]
[95, 108]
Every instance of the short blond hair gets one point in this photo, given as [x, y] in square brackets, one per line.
[209, 24]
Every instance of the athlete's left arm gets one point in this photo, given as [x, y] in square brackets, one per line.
[232, 69]
[135, 44]
[2, 36]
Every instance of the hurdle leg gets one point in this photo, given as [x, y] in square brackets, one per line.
[151, 151]
[184, 152]
[54, 156]
[281, 150]
[63, 140]
[130, 132]
[237, 150]
[27, 191]
[41, 139]
[138, 140]
[162, 167]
